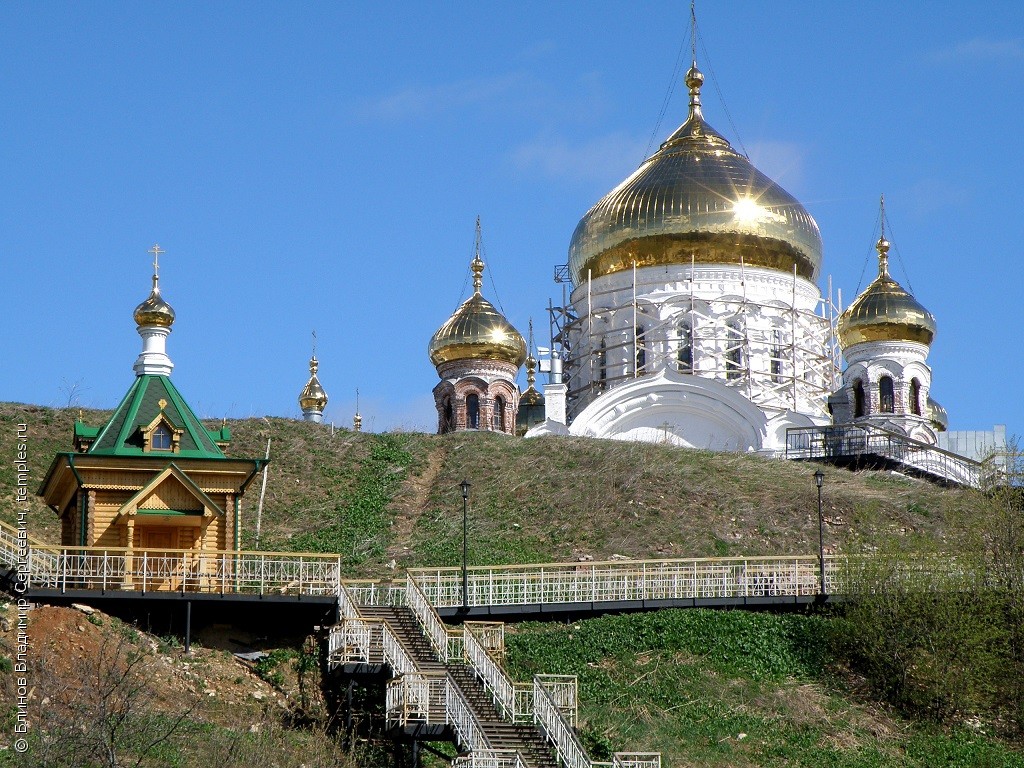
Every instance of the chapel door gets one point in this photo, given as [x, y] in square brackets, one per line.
[162, 568]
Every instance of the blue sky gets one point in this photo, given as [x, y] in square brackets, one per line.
[321, 165]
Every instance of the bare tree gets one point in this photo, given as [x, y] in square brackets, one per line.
[104, 717]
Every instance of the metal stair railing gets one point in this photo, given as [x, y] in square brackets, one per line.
[501, 689]
[462, 718]
[636, 760]
[490, 758]
[367, 592]
[413, 698]
[557, 728]
[849, 440]
[447, 645]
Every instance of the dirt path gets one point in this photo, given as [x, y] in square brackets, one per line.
[412, 503]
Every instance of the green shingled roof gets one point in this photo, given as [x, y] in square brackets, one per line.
[122, 435]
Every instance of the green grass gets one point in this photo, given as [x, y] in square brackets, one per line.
[731, 689]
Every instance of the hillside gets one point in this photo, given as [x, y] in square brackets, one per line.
[378, 498]
[729, 689]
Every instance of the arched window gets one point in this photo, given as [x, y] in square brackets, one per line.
[915, 397]
[684, 355]
[775, 362]
[498, 417]
[640, 342]
[472, 412]
[733, 350]
[449, 417]
[602, 366]
[160, 439]
[858, 399]
[886, 395]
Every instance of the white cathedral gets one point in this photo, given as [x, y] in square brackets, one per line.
[696, 319]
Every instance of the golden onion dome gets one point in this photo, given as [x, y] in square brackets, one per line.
[885, 311]
[937, 416]
[531, 396]
[477, 331]
[154, 310]
[313, 397]
[696, 199]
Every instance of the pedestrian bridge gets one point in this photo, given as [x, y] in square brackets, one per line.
[430, 690]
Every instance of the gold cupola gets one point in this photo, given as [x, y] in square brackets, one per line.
[695, 200]
[885, 311]
[937, 415]
[154, 310]
[477, 331]
[313, 398]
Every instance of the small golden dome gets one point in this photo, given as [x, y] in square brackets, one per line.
[477, 331]
[313, 396]
[885, 311]
[154, 310]
[937, 416]
[531, 396]
[695, 199]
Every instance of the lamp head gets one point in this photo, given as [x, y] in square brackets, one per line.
[465, 489]
[819, 478]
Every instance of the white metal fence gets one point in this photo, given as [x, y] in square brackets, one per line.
[490, 758]
[628, 581]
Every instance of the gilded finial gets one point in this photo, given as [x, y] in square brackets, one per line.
[357, 420]
[314, 365]
[694, 77]
[531, 361]
[154, 310]
[477, 265]
[156, 250]
[882, 246]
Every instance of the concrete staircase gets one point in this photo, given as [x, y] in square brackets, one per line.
[524, 738]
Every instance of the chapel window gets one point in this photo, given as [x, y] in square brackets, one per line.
[498, 417]
[684, 355]
[160, 439]
[886, 395]
[915, 397]
[858, 399]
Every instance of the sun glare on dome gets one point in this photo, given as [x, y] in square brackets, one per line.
[746, 209]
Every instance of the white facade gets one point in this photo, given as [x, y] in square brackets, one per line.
[710, 356]
[886, 384]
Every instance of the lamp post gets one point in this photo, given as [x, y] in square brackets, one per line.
[465, 518]
[819, 480]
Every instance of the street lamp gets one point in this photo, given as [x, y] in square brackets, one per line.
[819, 480]
[465, 518]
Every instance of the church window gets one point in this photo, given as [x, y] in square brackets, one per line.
[734, 350]
[915, 397]
[498, 417]
[473, 412]
[160, 439]
[886, 395]
[449, 417]
[602, 366]
[776, 357]
[858, 399]
[640, 343]
[684, 355]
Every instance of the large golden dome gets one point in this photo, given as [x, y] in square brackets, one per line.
[696, 199]
[885, 311]
[477, 331]
[154, 310]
